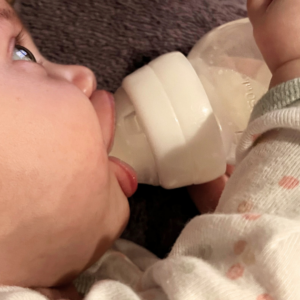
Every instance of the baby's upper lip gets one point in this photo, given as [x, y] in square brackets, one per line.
[104, 106]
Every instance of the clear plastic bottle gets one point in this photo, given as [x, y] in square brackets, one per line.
[179, 119]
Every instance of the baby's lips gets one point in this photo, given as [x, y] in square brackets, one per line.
[104, 106]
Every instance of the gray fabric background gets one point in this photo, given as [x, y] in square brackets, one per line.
[113, 38]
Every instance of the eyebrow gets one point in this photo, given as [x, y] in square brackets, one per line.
[7, 14]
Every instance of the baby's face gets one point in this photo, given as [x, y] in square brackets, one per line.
[63, 200]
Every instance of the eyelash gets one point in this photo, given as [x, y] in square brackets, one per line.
[19, 41]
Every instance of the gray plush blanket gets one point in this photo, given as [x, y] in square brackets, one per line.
[113, 38]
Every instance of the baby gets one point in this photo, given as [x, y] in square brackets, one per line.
[64, 200]
[60, 191]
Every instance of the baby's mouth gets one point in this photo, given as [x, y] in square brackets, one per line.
[104, 105]
[126, 176]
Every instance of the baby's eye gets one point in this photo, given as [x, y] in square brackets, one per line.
[22, 53]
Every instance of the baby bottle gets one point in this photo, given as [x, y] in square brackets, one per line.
[178, 119]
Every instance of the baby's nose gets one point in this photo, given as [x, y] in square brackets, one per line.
[83, 78]
[80, 76]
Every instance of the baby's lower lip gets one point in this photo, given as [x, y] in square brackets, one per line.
[103, 103]
[126, 176]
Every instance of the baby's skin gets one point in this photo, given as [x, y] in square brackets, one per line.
[63, 199]
[276, 31]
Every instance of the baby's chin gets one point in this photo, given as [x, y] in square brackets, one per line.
[50, 257]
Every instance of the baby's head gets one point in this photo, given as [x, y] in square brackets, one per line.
[63, 200]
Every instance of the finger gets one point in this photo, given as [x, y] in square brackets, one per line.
[257, 8]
